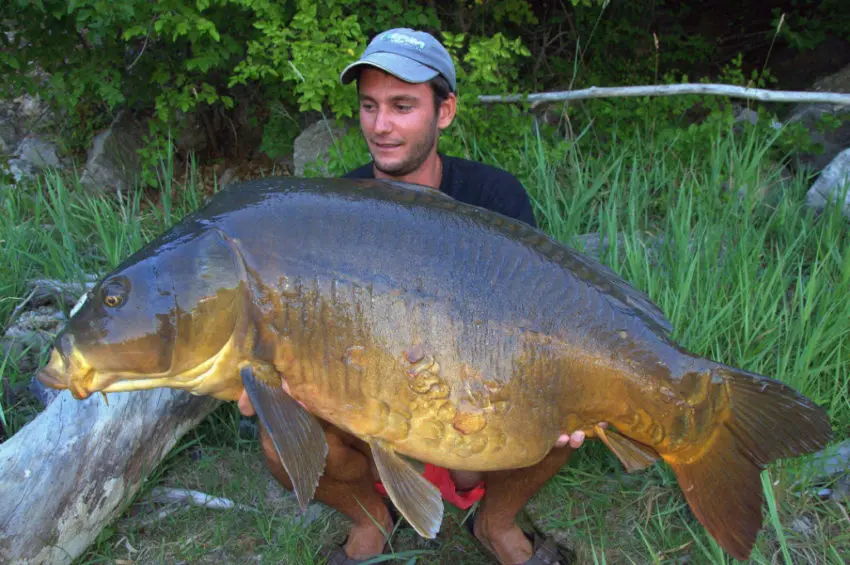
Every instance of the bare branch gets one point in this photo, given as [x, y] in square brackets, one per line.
[673, 90]
[196, 498]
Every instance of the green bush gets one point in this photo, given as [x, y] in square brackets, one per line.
[282, 58]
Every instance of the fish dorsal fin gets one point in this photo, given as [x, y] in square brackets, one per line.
[298, 438]
[633, 455]
[418, 500]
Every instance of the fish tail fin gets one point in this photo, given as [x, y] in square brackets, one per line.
[767, 420]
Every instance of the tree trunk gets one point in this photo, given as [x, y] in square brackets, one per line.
[75, 467]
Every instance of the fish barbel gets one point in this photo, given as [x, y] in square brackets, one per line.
[434, 331]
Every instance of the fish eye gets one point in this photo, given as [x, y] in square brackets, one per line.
[114, 293]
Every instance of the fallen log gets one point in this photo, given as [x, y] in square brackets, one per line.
[74, 468]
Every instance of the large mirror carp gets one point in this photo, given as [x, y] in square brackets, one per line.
[434, 331]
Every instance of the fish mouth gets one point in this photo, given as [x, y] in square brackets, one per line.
[61, 375]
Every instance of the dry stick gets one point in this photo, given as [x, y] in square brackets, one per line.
[673, 90]
[196, 498]
[183, 499]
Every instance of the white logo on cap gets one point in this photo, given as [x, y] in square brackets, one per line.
[403, 39]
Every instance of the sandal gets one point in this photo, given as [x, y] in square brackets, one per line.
[544, 549]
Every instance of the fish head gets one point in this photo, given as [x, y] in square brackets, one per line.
[160, 319]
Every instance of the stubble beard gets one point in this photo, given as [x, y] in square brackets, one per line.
[417, 156]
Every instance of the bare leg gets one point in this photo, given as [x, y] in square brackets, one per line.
[347, 480]
[507, 492]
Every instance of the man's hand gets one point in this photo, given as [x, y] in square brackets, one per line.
[245, 406]
[247, 409]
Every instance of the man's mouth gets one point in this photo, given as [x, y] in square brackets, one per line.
[386, 146]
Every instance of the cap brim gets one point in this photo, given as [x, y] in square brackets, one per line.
[406, 69]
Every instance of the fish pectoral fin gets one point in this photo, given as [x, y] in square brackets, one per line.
[633, 455]
[417, 465]
[416, 498]
[298, 438]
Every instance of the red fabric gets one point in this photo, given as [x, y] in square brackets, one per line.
[442, 479]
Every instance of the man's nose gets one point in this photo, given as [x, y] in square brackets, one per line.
[383, 124]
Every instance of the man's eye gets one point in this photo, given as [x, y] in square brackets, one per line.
[404, 107]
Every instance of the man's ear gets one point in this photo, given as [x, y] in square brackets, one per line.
[447, 111]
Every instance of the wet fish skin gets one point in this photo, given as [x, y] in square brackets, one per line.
[439, 331]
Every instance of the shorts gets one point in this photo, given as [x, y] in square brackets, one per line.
[442, 479]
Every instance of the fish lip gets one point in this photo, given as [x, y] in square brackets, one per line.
[54, 374]
[60, 374]
[52, 378]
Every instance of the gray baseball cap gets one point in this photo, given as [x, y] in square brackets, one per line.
[412, 56]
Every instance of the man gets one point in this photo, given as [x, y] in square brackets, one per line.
[406, 85]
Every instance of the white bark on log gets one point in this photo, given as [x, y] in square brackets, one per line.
[74, 468]
[673, 90]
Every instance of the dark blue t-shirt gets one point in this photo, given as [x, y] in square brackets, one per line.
[478, 184]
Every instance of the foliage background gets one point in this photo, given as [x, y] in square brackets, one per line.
[256, 72]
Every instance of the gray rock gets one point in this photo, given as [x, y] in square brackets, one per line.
[31, 334]
[803, 526]
[20, 117]
[832, 185]
[5, 131]
[834, 460]
[20, 170]
[35, 155]
[314, 145]
[827, 474]
[808, 115]
[749, 116]
[191, 135]
[113, 161]
[32, 156]
[63, 294]
[41, 154]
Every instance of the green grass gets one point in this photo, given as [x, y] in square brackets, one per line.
[719, 239]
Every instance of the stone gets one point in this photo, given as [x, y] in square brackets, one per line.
[191, 136]
[32, 333]
[20, 117]
[314, 145]
[113, 161]
[39, 153]
[833, 184]
[833, 142]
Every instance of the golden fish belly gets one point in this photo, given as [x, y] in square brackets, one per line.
[434, 416]
[396, 367]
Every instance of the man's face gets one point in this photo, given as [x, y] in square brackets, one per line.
[399, 121]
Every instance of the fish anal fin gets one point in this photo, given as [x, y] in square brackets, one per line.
[633, 455]
[298, 438]
[416, 498]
